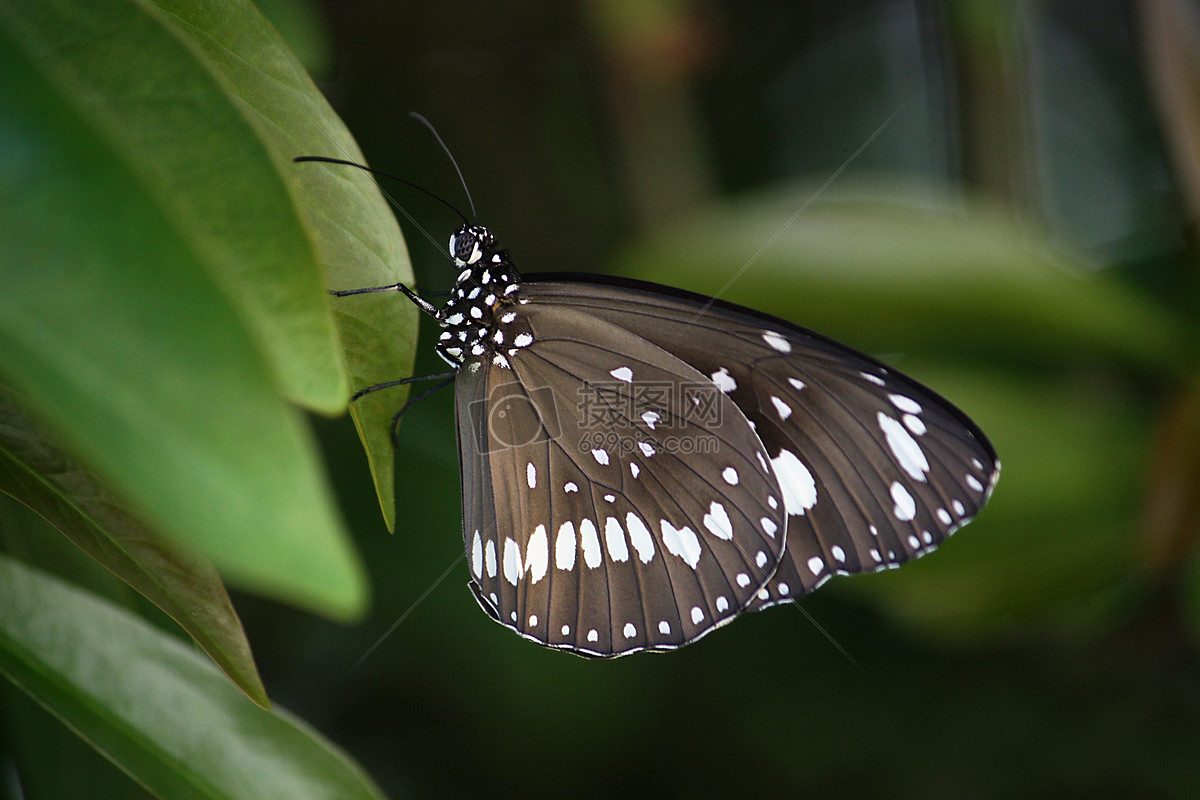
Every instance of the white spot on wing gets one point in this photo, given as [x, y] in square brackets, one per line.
[717, 521]
[796, 383]
[906, 507]
[974, 483]
[634, 469]
[523, 340]
[722, 604]
[743, 580]
[783, 408]
[646, 448]
[778, 342]
[815, 564]
[601, 456]
[724, 380]
[905, 404]
[681, 542]
[570, 486]
[537, 554]
[730, 475]
[477, 556]
[490, 558]
[875, 379]
[512, 561]
[614, 537]
[593, 636]
[769, 526]
[622, 374]
[799, 488]
[630, 631]
[914, 424]
[639, 537]
[590, 542]
[697, 615]
[905, 448]
[564, 546]
[664, 628]
[531, 475]
[650, 418]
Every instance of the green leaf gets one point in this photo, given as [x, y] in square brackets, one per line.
[156, 708]
[898, 266]
[184, 586]
[159, 277]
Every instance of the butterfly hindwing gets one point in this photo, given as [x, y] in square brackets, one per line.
[613, 500]
[875, 468]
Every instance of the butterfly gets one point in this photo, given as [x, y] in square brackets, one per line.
[641, 464]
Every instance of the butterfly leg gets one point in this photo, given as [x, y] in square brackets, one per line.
[420, 302]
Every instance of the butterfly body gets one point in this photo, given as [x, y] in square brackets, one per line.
[639, 464]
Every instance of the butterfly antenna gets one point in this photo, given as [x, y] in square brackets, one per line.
[382, 174]
[449, 155]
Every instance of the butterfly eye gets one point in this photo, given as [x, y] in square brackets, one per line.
[468, 244]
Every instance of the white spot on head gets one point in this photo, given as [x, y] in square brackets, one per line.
[974, 483]
[906, 507]
[743, 580]
[875, 379]
[697, 615]
[570, 486]
[477, 556]
[622, 374]
[717, 521]
[476, 312]
[778, 342]
[681, 542]
[914, 424]
[760, 558]
[537, 554]
[724, 380]
[639, 537]
[590, 542]
[564, 546]
[730, 475]
[944, 516]
[630, 631]
[531, 475]
[650, 418]
[905, 404]
[815, 564]
[783, 408]
[905, 448]
[796, 383]
[838, 553]
[769, 526]
[490, 558]
[664, 628]
[593, 636]
[722, 603]
[799, 488]
[512, 561]
[601, 456]
[614, 537]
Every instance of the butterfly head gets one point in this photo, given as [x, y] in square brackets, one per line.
[470, 244]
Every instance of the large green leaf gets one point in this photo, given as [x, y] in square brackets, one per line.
[155, 707]
[160, 284]
[186, 587]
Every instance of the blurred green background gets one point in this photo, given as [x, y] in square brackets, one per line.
[1017, 231]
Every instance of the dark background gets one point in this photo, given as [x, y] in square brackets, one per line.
[1049, 650]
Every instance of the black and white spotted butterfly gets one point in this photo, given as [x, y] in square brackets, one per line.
[641, 464]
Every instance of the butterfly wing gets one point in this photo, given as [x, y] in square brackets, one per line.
[875, 468]
[589, 522]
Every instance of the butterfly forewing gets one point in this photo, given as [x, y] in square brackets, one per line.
[617, 500]
[874, 468]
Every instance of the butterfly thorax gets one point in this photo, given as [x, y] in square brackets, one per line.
[479, 317]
